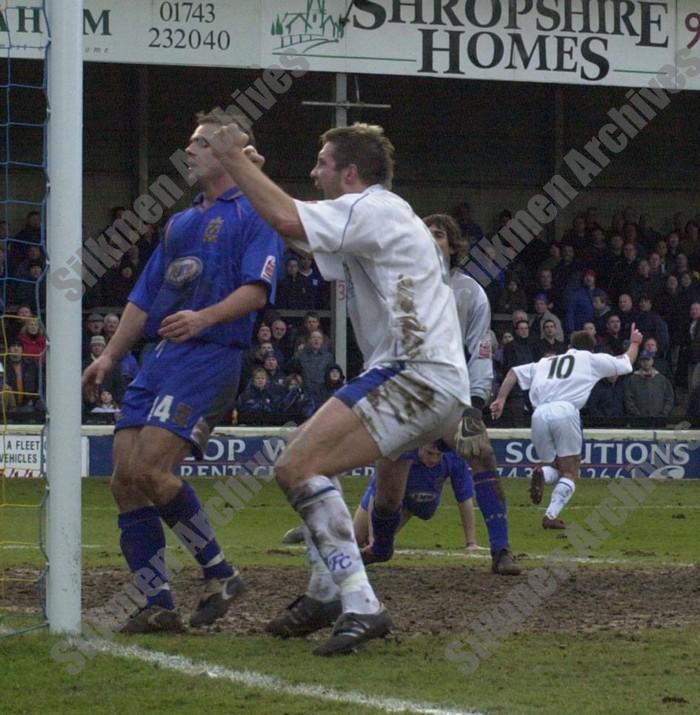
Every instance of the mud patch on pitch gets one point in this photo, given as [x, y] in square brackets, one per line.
[431, 601]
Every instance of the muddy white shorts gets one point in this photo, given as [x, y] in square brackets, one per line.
[402, 406]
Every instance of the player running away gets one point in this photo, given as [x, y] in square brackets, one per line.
[559, 387]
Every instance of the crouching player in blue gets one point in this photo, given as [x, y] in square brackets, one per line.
[198, 295]
[430, 470]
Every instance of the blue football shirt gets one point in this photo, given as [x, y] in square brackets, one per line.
[422, 479]
[205, 255]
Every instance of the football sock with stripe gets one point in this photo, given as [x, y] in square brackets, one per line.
[492, 504]
[185, 516]
[323, 510]
[143, 545]
[561, 495]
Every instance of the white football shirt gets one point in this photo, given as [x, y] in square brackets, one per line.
[569, 377]
[399, 299]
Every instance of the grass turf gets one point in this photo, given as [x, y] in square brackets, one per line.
[611, 672]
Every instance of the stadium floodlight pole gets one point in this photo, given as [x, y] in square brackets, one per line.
[64, 240]
[339, 305]
[339, 302]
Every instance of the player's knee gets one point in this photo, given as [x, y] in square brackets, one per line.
[122, 484]
[291, 469]
[387, 504]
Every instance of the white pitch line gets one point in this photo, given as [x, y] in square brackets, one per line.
[270, 683]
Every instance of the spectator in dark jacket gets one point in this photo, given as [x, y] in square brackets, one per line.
[550, 344]
[296, 405]
[293, 291]
[335, 379]
[520, 351]
[647, 392]
[651, 324]
[580, 308]
[257, 400]
[607, 398]
[612, 340]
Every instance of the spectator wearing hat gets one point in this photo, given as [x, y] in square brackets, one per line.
[113, 382]
[580, 308]
[93, 326]
[335, 379]
[542, 315]
[276, 378]
[647, 392]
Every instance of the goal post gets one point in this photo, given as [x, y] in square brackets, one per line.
[64, 242]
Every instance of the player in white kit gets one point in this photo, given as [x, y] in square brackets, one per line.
[415, 379]
[559, 387]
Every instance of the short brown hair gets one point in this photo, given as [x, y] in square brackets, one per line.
[447, 224]
[582, 340]
[231, 115]
[365, 146]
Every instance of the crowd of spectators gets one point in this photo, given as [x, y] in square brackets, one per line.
[600, 275]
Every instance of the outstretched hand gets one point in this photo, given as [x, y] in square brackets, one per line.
[181, 326]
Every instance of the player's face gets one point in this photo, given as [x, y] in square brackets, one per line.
[325, 175]
[430, 456]
[440, 237]
[201, 162]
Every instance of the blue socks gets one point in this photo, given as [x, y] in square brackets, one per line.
[185, 516]
[492, 504]
[384, 528]
[143, 546]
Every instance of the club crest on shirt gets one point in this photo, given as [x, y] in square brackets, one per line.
[213, 229]
[268, 271]
[183, 270]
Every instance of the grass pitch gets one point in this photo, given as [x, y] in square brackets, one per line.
[622, 635]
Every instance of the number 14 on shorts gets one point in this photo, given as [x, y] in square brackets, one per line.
[161, 409]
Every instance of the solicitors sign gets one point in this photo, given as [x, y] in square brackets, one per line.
[590, 42]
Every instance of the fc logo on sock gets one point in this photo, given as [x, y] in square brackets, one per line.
[338, 561]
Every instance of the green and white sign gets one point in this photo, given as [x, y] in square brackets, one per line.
[593, 42]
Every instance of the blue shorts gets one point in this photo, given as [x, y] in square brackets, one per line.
[420, 504]
[184, 388]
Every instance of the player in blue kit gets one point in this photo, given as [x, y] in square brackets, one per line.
[430, 469]
[198, 295]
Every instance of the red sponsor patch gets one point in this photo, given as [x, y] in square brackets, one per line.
[268, 271]
[485, 349]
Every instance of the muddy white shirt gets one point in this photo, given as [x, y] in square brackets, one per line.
[569, 377]
[399, 300]
[474, 314]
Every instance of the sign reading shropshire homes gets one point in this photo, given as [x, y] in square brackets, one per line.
[595, 42]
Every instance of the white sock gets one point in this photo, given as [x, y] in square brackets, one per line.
[550, 475]
[563, 491]
[321, 584]
[330, 525]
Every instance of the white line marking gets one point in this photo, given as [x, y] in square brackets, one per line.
[269, 683]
